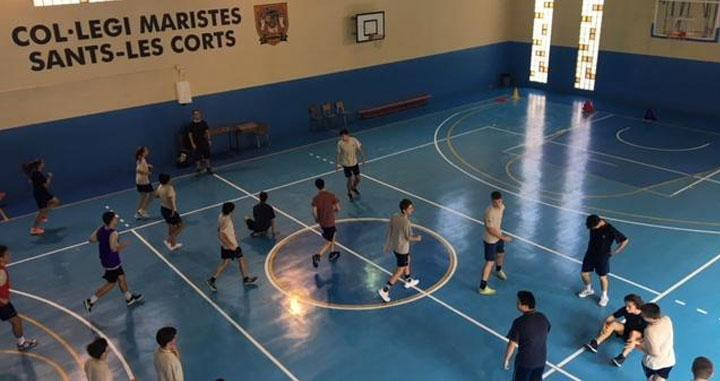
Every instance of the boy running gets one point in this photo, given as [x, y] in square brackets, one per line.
[324, 208]
[494, 242]
[348, 150]
[7, 310]
[168, 209]
[109, 247]
[229, 248]
[41, 192]
[627, 322]
[399, 237]
[597, 256]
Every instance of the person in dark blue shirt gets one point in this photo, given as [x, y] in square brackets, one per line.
[626, 323]
[528, 334]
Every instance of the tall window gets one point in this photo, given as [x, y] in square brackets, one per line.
[542, 30]
[44, 3]
[589, 44]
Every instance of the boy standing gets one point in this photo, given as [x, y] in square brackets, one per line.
[7, 310]
[399, 237]
[200, 142]
[630, 328]
[97, 367]
[529, 332]
[169, 211]
[109, 247]
[657, 344]
[167, 356]
[702, 369]
[348, 150]
[324, 208]
[229, 248]
[494, 243]
[597, 256]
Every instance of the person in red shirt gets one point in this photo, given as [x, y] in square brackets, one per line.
[7, 311]
[324, 207]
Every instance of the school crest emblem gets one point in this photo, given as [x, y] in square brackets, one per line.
[271, 22]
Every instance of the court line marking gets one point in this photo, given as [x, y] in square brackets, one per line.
[556, 134]
[272, 154]
[84, 322]
[470, 175]
[680, 302]
[427, 295]
[274, 280]
[701, 311]
[619, 138]
[53, 364]
[704, 178]
[219, 309]
[73, 353]
[215, 205]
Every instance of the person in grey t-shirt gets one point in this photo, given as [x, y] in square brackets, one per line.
[399, 237]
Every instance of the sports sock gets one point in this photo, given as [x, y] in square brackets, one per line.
[483, 284]
[498, 268]
[93, 299]
[128, 295]
[21, 340]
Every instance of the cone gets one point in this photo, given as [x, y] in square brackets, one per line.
[588, 107]
[650, 115]
[516, 94]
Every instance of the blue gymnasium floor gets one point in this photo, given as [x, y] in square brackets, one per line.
[656, 182]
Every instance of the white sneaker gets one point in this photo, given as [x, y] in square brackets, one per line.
[177, 246]
[144, 214]
[585, 293]
[168, 245]
[603, 300]
[138, 216]
[412, 283]
[385, 295]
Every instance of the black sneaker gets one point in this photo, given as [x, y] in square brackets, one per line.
[592, 346]
[316, 260]
[350, 196]
[334, 256]
[211, 284]
[88, 305]
[209, 171]
[618, 361]
[249, 280]
[135, 298]
[357, 193]
[27, 345]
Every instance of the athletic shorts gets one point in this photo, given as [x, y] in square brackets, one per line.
[7, 312]
[170, 217]
[112, 275]
[328, 233]
[230, 254]
[42, 198]
[354, 170]
[601, 264]
[145, 188]
[202, 151]
[493, 249]
[528, 374]
[402, 259]
[664, 372]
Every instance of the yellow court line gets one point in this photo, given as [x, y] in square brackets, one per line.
[275, 281]
[59, 369]
[57, 337]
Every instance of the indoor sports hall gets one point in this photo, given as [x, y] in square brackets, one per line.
[139, 136]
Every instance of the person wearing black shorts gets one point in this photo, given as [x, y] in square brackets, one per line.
[200, 142]
[349, 156]
[229, 248]
[494, 243]
[325, 207]
[41, 192]
[7, 310]
[528, 334]
[399, 237]
[657, 344]
[627, 323]
[169, 212]
[142, 182]
[598, 254]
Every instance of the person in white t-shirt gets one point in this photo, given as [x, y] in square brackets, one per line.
[657, 344]
[142, 182]
[229, 248]
[702, 369]
[494, 241]
[349, 156]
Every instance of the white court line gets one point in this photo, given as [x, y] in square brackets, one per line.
[425, 293]
[608, 116]
[555, 134]
[619, 138]
[696, 182]
[79, 244]
[218, 309]
[86, 323]
[680, 302]
[515, 236]
[701, 311]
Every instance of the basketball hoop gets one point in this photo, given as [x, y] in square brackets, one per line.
[375, 36]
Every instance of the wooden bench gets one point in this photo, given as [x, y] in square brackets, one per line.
[260, 130]
[394, 107]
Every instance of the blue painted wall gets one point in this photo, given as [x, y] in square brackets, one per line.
[92, 155]
[668, 84]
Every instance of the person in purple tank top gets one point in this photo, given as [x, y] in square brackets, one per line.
[110, 247]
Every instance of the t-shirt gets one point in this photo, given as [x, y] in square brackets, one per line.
[97, 370]
[493, 219]
[601, 240]
[325, 202]
[348, 152]
[142, 179]
[226, 225]
[658, 343]
[165, 193]
[197, 130]
[4, 284]
[530, 331]
[167, 366]
[632, 322]
[263, 215]
[399, 233]
[38, 181]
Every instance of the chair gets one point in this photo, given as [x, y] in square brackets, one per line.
[2, 212]
[316, 117]
[340, 111]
